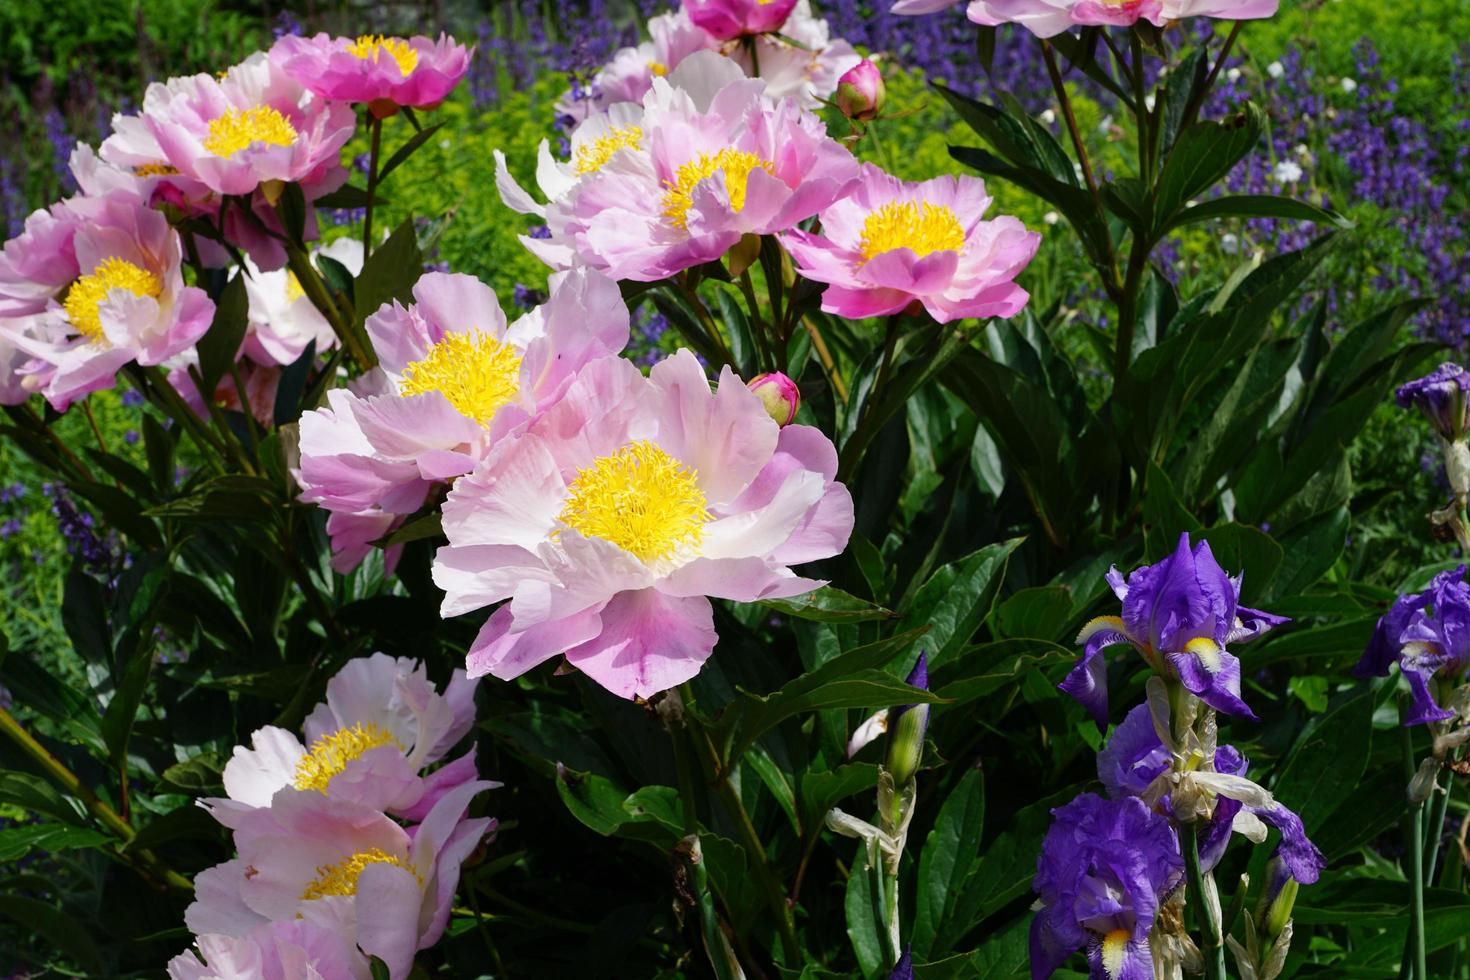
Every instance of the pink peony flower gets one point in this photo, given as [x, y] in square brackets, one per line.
[345, 868]
[803, 62]
[1047, 18]
[283, 321]
[286, 950]
[127, 301]
[454, 380]
[384, 72]
[253, 127]
[861, 92]
[726, 162]
[16, 385]
[890, 244]
[726, 19]
[40, 262]
[613, 519]
[382, 723]
[629, 76]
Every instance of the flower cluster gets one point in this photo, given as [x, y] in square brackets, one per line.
[1428, 635]
[325, 878]
[1047, 18]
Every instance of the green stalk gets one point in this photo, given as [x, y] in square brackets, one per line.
[372, 187]
[1414, 834]
[1435, 827]
[142, 858]
[354, 340]
[1212, 945]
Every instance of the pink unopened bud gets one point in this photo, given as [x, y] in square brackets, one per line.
[779, 394]
[861, 92]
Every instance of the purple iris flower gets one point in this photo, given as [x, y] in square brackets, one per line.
[1427, 634]
[1135, 757]
[1180, 614]
[1105, 868]
[1441, 397]
[904, 968]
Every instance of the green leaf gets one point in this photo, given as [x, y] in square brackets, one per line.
[160, 444]
[828, 605]
[389, 273]
[1202, 155]
[200, 776]
[292, 209]
[236, 498]
[64, 932]
[1328, 760]
[17, 842]
[379, 969]
[989, 667]
[84, 616]
[36, 795]
[221, 343]
[345, 197]
[957, 598]
[1242, 549]
[818, 792]
[417, 529]
[184, 823]
[1256, 206]
[950, 852]
[863, 928]
[1042, 612]
[1165, 516]
[405, 151]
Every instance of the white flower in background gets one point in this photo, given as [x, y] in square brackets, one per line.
[1287, 172]
[1275, 69]
[1349, 85]
[1229, 244]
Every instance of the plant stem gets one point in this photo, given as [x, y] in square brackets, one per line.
[372, 188]
[824, 354]
[104, 814]
[1435, 827]
[316, 291]
[1414, 834]
[860, 436]
[1212, 945]
[1073, 129]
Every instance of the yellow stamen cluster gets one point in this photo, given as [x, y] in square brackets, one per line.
[90, 290]
[925, 228]
[330, 754]
[658, 68]
[293, 287]
[641, 499]
[155, 170]
[736, 165]
[372, 46]
[341, 878]
[476, 372]
[238, 129]
[592, 156]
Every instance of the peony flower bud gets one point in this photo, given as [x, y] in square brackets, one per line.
[779, 394]
[907, 726]
[861, 92]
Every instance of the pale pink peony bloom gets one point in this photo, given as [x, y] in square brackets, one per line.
[726, 162]
[282, 319]
[726, 501]
[803, 63]
[727, 19]
[16, 384]
[1047, 18]
[891, 244]
[455, 379]
[861, 92]
[343, 867]
[127, 301]
[384, 72]
[382, 724]
[253, 127]
[286, 950]
[40, 262]
[629, 76]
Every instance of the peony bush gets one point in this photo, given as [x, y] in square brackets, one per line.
[889, 626]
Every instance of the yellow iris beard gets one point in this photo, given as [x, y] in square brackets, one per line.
[925, 228]
[736, 165]
[330, 754]
[593, 156]
[373, 45]
[90, 290]
[341, 878]
[476, 372]
[639, 498]
[237, 129]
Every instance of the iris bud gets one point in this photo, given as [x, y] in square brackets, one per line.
[778, 394]
[907, 726]
[861, 92]
[1273, 914]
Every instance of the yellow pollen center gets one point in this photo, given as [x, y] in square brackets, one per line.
[370, 46]
[341, 878]
[90, 290]
[155, 170]
[293, 287]
[639, 498]
[330, 754]
[592, 156]
[925, 228]
[238, 129]
[658, 68]
[736, 165]
[476, 372]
